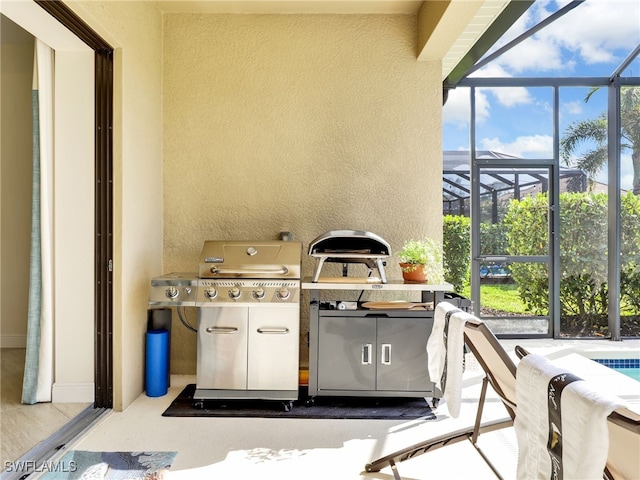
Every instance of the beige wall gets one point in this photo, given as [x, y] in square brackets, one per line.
[134, 29]
[243, 126]
[16, 70]
[304, 123]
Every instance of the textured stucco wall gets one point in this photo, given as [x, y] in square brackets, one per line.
[304, 123]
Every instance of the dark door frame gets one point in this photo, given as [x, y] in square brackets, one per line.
[502, 169]
[103, 217]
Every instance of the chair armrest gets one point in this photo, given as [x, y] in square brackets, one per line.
[521, 352]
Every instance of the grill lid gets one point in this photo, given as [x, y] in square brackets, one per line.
[350, 246]
[274, 259]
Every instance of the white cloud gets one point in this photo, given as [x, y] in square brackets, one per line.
[597, 27]
[506, 96]
[534, 146]
[541, 55]
[626, 172]
[589, 34]
[626, 182]
[511, 96]
[457, 110]
[533, 53]
[572, 108]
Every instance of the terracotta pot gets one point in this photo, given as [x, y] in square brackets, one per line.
[413, 273]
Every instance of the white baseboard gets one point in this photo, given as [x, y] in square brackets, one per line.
[13, 341]
[73, 393]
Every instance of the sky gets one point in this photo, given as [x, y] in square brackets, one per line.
[589, 41]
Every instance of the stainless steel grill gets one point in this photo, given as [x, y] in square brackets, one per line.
[249, 272]
[272, 260]
[248, 299]
[174, 289]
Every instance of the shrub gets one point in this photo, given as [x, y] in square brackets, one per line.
[583, 252]
[456, 236]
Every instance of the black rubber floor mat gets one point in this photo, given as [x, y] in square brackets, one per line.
[319, 407]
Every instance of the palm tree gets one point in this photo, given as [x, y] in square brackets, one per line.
[596, 131]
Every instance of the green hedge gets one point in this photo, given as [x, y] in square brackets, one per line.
[456, 243]
[583, 251]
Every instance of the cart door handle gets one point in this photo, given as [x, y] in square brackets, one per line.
[366, 354]
[385, 354]
[225, 330]
[278, 331]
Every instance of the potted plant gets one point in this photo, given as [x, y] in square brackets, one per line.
[421, 260]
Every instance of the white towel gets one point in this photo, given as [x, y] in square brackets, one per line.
[585, 437]
[455, 362]
[436, 348]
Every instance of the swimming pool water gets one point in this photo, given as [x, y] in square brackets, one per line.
[627, 366]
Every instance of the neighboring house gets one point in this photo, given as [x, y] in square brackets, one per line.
[326, 116]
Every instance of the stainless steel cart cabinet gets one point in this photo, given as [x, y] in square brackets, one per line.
[370, 352]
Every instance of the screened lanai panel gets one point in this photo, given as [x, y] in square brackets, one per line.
[583, 213]
[456, 186]
[514, 249]
[583, 264]
[519, 123]
[501, 190]
[561, 64]
[630, 212]
[517, 309]
[589, 39]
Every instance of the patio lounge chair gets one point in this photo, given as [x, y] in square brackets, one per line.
[623, 461]
[500, 373]
[580, 417]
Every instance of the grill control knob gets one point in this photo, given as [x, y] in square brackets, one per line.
[259, 293]
[210, 293]
[234, 293]
[283, 293]
[171, 292]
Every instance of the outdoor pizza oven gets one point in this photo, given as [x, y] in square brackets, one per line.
[350, 246]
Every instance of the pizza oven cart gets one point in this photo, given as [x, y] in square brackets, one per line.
[375, 349]
[370, 352]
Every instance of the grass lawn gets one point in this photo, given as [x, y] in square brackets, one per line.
[502, 297]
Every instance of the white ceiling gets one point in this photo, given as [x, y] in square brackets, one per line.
[471, 33]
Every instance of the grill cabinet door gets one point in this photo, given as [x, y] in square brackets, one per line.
[402, 354]
[347, 353]
[273, 348]
[222, 348]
